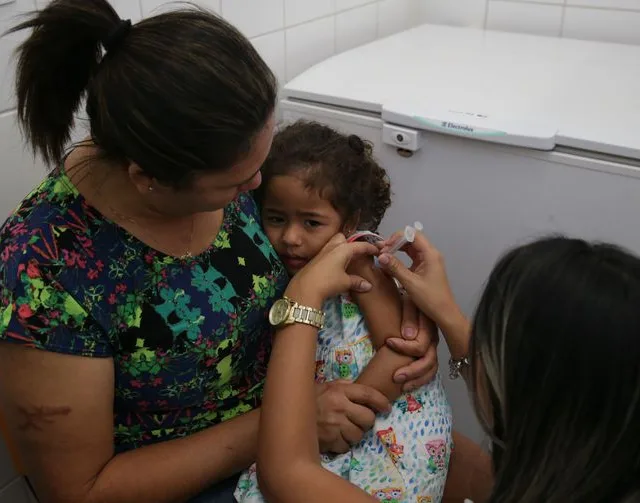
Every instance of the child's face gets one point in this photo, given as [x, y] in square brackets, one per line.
[297, 221]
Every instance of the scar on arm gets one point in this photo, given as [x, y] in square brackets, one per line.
[34, 418]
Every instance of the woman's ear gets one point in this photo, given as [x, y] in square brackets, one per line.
[143, 182]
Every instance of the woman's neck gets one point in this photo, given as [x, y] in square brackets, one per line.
[109, 189]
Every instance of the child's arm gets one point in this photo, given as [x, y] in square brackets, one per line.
[470, 472]
[382, 311]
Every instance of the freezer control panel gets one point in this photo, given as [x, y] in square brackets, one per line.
[401, 137]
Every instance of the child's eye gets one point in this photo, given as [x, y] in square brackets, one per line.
[313, 223]
[274, 220]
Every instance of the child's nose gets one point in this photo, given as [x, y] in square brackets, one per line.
[291, 236]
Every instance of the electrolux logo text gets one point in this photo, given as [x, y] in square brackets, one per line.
[458, 127]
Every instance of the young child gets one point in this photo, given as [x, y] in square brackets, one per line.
[316, 183]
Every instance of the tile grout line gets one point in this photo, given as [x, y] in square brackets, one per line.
[325, 16]
[563, 16]
[334, 3]
[486, 14]
[566, 5]
[284, 37]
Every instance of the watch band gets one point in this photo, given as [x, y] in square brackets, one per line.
[298, 313]
[305, 314]
[455, 367]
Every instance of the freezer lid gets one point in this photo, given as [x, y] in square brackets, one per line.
[515, 89]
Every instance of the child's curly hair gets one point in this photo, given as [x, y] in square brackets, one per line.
[340, 167]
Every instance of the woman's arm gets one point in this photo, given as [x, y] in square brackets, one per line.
[382, 311]
[59, 409]
[427, 284]
[456, 329]
[289, 467]
[470, 472]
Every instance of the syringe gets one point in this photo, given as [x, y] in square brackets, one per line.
[408, 236]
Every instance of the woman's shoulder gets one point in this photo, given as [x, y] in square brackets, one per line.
[55, 230]
[43, 246]
[29, 234]
[245, 203]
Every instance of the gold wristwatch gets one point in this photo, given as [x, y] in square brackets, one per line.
[286, 312]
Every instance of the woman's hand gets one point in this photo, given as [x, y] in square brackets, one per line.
[419, 340]
[426, 280]
[427, 284]
[326, 275]
[346, 411]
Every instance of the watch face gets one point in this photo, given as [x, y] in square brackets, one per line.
[278, 312]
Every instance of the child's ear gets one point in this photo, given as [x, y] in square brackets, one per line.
[351, 225]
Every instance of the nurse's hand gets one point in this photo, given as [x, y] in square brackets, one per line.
[426, 281]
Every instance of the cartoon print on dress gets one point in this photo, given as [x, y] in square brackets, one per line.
[390, 443]
[410, 404]
[345, 364]
[321, 371]
[245, 484]
[355, 465]
[388, 494]
[437, 451]
[349, 310]
[395, 448]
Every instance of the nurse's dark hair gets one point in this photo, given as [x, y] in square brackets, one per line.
[556, 362]
[341, 167]
[178, 93]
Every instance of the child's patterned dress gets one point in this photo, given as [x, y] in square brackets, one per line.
[404, 458]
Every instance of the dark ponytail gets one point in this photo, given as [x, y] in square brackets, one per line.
[54, 67]
[177, 93]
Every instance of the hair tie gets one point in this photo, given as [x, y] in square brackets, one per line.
[356, 143]
[117, 35]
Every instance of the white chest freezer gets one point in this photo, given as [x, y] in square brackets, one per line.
[490, 139]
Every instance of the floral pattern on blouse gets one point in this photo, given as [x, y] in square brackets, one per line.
[189, 338]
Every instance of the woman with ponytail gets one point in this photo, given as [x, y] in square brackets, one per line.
[136, 279]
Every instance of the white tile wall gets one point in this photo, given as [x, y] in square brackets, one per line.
[539, 19]
[471, 13]
[609, 25]
[604, 20]
[291, 35]
[356, 27]
[8, 43]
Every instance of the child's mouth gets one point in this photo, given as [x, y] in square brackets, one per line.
[292, 262]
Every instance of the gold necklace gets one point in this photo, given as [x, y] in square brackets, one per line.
[185, 256]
